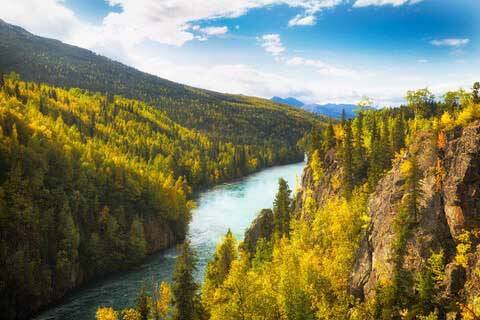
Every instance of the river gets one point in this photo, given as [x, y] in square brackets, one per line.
[228, 206]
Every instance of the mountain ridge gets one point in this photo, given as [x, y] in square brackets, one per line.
[332, 110]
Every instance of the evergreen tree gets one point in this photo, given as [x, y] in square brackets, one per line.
[142, 303]
[219, 267]
[476, 92]
[412, 186]
[281, 209]
[375, 167]
[329, 141]
[398, 133]
[137, 246]
[184, 287]
[359, 160]
[347, 160]
[68, 240]
[385, 145]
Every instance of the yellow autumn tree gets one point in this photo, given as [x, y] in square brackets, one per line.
[106, 313]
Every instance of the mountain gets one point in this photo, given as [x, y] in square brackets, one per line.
[223, 117]
[329, 110]
[332, 110]
[289, 101]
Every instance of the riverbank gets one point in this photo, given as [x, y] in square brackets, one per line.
[230, 205]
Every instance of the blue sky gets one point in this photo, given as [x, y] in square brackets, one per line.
[315, 50]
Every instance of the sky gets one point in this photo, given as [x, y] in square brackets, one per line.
[319, 51]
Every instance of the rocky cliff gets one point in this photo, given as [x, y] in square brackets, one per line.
[448, 218]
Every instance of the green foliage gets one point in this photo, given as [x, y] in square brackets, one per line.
[476, 92]
[88, 182]
[218, 268]
[281, 209]
[421, 101]
[271, 129]
[307, 275]
[185, 287]
[142, 304]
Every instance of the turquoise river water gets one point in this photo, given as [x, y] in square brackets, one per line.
[228, 206]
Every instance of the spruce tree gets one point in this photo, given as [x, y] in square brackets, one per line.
[137, 245]
[142, 303]
[184, 285]
[398, 139]
[218, 268]
[476, 92]
[329, 141]
[375, 160]
[385, 145]
[359, 162]
[281, 209]
[347, 160]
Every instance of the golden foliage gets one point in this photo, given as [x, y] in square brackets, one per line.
[106, 313]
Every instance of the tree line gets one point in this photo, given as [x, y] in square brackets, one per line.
[92, 182]
[301, 268]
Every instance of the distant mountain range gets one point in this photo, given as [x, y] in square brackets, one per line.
[330, 109]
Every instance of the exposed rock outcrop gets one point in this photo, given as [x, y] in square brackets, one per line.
[261, 227]
[450, 205]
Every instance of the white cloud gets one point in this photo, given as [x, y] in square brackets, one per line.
[272, 44]
[214, 31]
[322, 67]
[450, 42]
[300, 20]
[395, 3]
[166, 21]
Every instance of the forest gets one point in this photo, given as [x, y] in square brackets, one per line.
[223, 117]
[91, 183]
[306, 263]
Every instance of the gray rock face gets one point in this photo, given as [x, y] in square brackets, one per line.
[261, 227]
[449, 205]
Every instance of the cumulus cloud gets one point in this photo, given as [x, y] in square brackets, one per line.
[321, 67]
[450, 42]
[300, 20]
[272, 44]
[395, 3]
[167, 22]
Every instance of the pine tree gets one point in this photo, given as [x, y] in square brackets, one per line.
[476, 92]
[281, 209]
[359, 162]
[347, 160]
[385, 145]
[137, 246]
[219, 267]
[412, 186]
[398, 133]
[375, 159]
[329, 141]
[184, 287]
[68, 242]
[142, 303]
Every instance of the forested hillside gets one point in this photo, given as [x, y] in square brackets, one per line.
[386, 225]
[91, 183]
[236, 119]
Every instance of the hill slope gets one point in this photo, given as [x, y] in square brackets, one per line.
[223, 117]
[386, 225]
